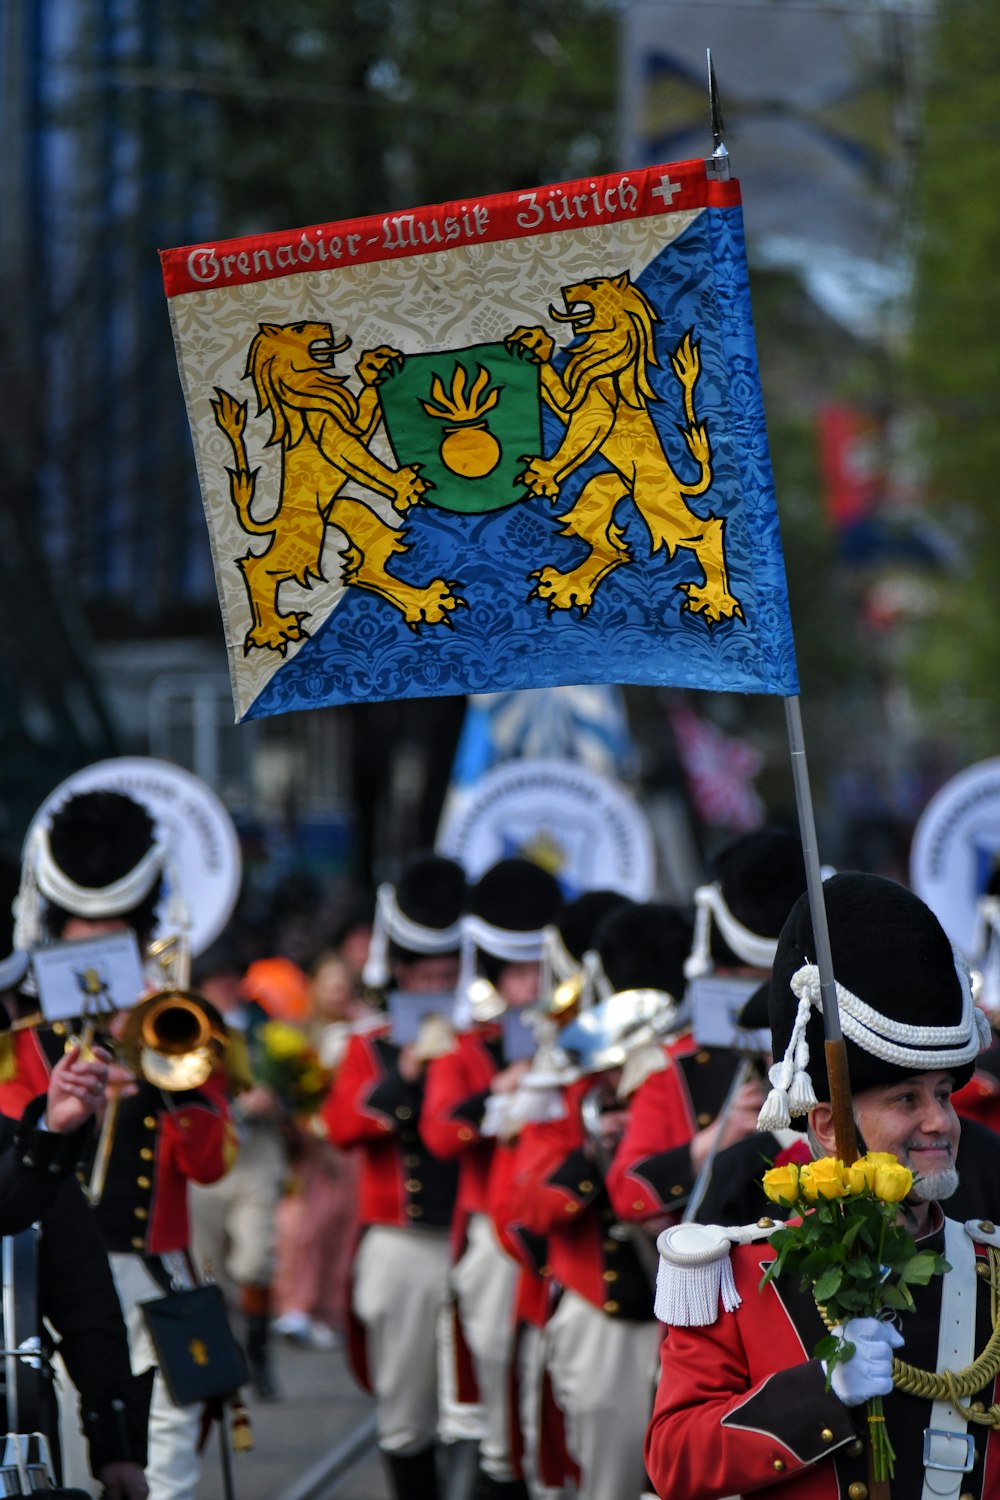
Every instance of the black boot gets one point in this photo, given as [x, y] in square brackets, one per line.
[488, 1488]
[259, 1358]
[413, 1475]
[461, 1467]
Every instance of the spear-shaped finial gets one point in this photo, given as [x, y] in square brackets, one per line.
[720, 156]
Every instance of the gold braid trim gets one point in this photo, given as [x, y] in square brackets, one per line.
[954, 1385]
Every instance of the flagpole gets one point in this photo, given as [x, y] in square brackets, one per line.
[836, 1054]
[845, 1134]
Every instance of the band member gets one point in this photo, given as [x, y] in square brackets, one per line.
[741, 1406]
[709, 1096]
[406, 1195]
[503, 938]
[601, 1341]
[233, 1219]
[72, 1286]
[99, 868]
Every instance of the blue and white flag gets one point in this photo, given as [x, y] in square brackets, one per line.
[544, 463]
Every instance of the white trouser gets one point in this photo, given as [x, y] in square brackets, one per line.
[484, 1281]
[173, 1467]
[530, 1370]
[458, 1421]
[603, 1373]
[232, 1220]
[400, 1287]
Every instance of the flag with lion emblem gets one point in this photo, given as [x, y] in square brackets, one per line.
[507, 442]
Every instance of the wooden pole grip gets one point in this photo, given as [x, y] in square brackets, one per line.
[844, 1132]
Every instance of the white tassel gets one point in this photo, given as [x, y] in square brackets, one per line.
[375, 973]
[775, 1113]
[688, 1296]
[699, 961]
[801, 1095]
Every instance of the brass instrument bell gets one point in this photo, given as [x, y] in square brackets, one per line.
[172, 1041]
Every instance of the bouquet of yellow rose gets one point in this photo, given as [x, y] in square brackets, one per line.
[285, 1062]
[849, 1247]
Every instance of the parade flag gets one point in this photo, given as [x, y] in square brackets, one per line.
[506, 442]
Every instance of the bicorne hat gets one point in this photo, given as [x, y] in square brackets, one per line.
[903, 991]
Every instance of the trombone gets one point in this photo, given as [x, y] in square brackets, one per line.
[170, 1039]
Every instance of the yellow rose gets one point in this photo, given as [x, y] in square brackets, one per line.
[825, 1178]
[861, 1174]
[781, 1184]
[282, 1041]
[893, 1182]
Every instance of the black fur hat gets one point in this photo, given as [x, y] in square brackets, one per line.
[904, 993]
[643, 945]
[96, 839]
[758, 878]
[417, 917]
[515, 895]
[577, 921]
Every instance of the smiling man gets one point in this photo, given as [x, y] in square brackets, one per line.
[741, 1407]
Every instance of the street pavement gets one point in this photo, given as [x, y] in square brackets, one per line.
[322, 1409]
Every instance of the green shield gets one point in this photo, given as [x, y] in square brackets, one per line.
[469, 417]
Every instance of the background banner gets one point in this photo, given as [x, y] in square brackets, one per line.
[511, 442]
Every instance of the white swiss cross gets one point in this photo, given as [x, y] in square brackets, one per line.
[667, 190]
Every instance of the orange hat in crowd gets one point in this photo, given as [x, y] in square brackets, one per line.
[280, 986]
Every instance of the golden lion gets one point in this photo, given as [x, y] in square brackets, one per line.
[603, 396]
[324, 432]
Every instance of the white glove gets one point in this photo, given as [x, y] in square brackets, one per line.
[868, 1372]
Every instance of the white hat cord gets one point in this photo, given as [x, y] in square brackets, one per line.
[391, 924]
[918, 1048]
[42, 877]
[749, 946]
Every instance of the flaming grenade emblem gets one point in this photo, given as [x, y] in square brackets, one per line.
[468, 447]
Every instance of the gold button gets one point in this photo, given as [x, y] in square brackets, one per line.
[857, 1490]
[140, 1213]
[609, 1275]
[465, 1134]
[145, 1154]
[611, 1246]
[826, 1435]
[778, 1466]
[403, 1112]
[611, 1307]
[765, 1223]
[413, 1185]
[143, 1182]
[704, 1118]
[703, 1057]
[545, 1270]
[983, 1269]
[966, 1495]
[59, 1028]
[988, 1227]
[571, 1208]
[138, 1244]
[586, 1186]
[676, 1190]
[638, 1204]
[150, 1122]
[411, 1161]
[977, 1406]
[855, 1449]
[414, 1210]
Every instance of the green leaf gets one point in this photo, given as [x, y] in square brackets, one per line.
[919, 1268]
[828, 1283]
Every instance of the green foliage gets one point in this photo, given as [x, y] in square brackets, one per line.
[339, 111]
[953, 663]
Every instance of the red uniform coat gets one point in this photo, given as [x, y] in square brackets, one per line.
[652, 1172]
[560, 1193]
[159, 1147]
[741, 1408]
[372, 1108]
[458, 1086]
